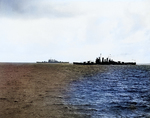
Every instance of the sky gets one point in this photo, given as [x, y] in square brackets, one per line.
[74, 30]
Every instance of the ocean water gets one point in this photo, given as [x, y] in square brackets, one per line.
[118, 92]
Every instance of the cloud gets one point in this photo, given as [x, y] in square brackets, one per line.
[35, 8]
[75, 30]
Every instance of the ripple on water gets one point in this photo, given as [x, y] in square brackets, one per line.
[122, 91]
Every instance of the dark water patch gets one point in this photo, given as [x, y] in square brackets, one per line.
[121, 91]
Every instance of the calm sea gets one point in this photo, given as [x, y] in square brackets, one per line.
[118, 92]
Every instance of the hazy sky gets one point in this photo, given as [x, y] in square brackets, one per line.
[74, 30]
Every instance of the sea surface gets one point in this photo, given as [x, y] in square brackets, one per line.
[117, 92]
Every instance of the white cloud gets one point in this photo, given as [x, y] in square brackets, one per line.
[76, 29]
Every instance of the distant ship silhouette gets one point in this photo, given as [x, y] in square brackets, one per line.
[52, 61]
[103, 61]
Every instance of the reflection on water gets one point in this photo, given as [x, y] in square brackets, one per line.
[122, 91]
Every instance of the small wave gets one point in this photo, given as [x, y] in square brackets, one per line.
[122, 91]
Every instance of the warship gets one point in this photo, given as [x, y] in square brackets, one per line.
[103, 61]
[52, 61]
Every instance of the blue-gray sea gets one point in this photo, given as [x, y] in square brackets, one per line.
[117, 92]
